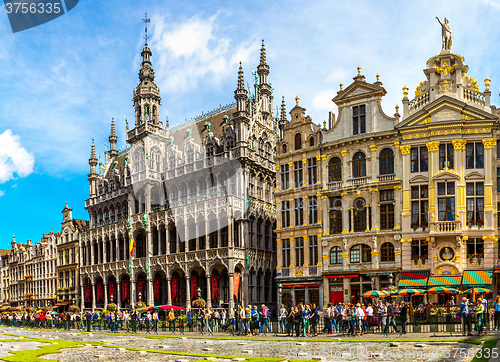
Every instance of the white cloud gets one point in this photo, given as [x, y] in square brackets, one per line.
[192, 52]
[493, 3]
[14, 159]
[323, 100]
[2, 193]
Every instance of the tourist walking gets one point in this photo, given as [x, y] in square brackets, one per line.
[360, 315]
[264, 318]
[306, 315]
[282, 318]
[465, 315]
[496, 306]
[479, 316]
[403, 313]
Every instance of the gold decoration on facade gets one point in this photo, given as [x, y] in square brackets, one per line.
[419, 87]
[397, 108]
[446, 169]
[405, 149]
[427, 120]
[341, 85]
[290, 164]
[373, 148]
[445, 69]
[304, 160]
[473, 82]
[459, 144]
[344, 153]
[489, 142]
[277, 167]
[432, 146]
[396, 144]
[487, 82]
[405, 91]
[445, 87]
[464, 117]
[359, 69]
[297, 100]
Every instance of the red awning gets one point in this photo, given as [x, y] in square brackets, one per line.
[306, 285]
[342, 276]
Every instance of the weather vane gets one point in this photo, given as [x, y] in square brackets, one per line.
[146, 21]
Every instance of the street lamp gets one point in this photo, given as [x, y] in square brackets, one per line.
[390, 278]
[140, 296]
[199, 292]
[280, 292]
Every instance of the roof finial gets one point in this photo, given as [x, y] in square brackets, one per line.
[297, 100]
[146, 21]
[341, 85]
[113, 133]
[378, 77]
[263, 53]
[359, 69]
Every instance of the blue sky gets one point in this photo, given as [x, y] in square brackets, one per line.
[63, 81]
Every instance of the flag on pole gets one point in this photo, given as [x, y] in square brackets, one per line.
[132, 244]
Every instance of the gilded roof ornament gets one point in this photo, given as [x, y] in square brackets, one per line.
[418, 91]
[473, 83]
[487, 82]
[341, 85]
[378, 77]
[405, 91]
[359, 69]
[297, 100]
[445, 69]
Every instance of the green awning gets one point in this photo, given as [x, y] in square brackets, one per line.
[440, 281]
[413, 279]
[475, 278]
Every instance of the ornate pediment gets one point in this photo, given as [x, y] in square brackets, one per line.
[419, 179]
[358, 90]
[474, 176]
[446, 174]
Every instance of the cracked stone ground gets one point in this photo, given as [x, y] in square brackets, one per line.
[104, 347]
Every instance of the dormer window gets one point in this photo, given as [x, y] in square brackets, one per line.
[359, 119]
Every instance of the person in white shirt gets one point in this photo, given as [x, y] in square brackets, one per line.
[360, 315]
[369, 316]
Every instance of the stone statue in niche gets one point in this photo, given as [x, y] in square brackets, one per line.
[447, 254]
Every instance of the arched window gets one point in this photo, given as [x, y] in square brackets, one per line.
[284, 147]
[359, 215]
[311, 141]
[387, 252]
[359, 165]
[335, 255]
[298, 141]
[366, 253]
[386, 162]
[354, 254]
[334, 169]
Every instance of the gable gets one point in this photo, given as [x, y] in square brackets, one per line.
[418, 179]
[446, 174]
[358, 90]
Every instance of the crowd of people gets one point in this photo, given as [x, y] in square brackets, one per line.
[299, 321]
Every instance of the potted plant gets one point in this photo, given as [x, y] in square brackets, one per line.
[140, 304]
[74, 308]
[111, 307]
[199, 303]
[424, 225]
[479, 223]
[414, 226]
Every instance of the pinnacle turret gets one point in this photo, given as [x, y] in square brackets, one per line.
[283, 110]
[112, 140]
[240, 94]
[263, 68]
[263, 53]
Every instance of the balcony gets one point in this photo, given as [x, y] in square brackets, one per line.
[358, 181]
[444, 227]
[386, 178]
[334, 185]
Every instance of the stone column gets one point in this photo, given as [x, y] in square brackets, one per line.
[132, 291]
[188, 292]
[186, 238]
[488, 182]
[293, 259]
[169, 291]
[306, 252]
[231, 295]
[149, 282]
[459, 157]
[291, 176]
[93, 296]
[209, 292]
[118, 294]
[433, 148]
[347, 288]
[105, 283]
[345, 213]
[345, 168]
[207, 234]
[406, 212]
[397, 208]
[375, 209]
[374, 163]
[82, 299]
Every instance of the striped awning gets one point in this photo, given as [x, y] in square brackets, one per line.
[444, 281]
[413, 279]
[475, 278]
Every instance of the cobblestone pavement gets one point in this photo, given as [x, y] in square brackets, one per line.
[392, 348]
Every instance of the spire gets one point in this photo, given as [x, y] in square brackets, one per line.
[241, 80]
[92, 177]
[263, 53]
[283, 110]
[240, 94]
[263, 68]
[92, 152]
[112, 140]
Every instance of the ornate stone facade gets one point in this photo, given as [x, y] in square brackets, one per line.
[32, 272]
[196, 199]
[68, 286]
[416, 194]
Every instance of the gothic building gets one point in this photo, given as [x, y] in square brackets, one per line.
[196, 200]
